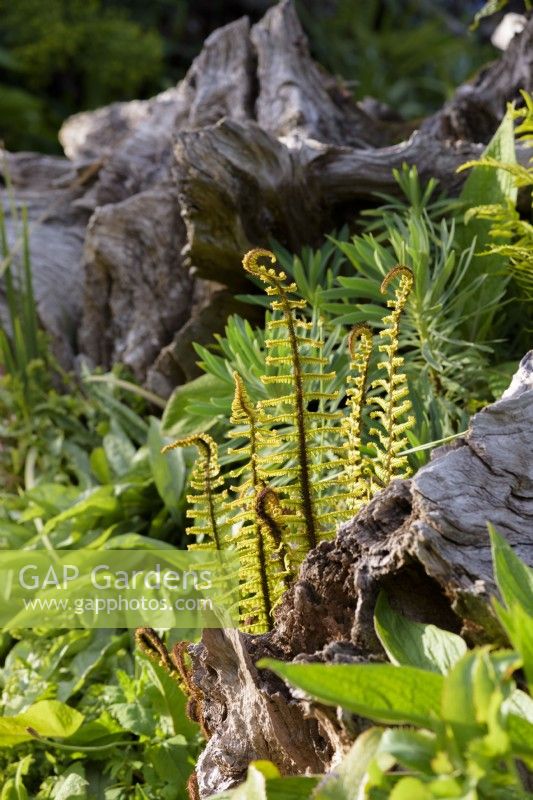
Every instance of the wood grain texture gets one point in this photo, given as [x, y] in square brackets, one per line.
[257, 141]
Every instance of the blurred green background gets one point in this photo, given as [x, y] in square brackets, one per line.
[62, 56]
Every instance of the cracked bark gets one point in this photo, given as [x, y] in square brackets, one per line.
[256, 142]
[423, 541]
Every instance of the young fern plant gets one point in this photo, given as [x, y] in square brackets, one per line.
[393, 404]
[260, 540]
[302, 463]
[295, 426]
[358, 470]
[207, 497]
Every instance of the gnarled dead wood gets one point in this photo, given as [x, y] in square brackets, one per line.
[424, 541]
[48, 187]
[256, 141]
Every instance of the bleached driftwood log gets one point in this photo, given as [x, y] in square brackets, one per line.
[424, 541]
[158, 199]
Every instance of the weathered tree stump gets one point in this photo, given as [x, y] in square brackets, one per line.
[424, 541]
[157, 200]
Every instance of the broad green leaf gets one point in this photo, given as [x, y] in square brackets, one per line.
[485, 185]
[520, 704]
[473, 692]
[518, 711]
[264, 781]
[173, 700]
[90, 507]
[135, 717]
[119, 450]
[168, 469]
[381, 692]
[520, 731]
[135, 541]
[72, 785]
[411, 789]
[514, 578]
[100, 465]
[171, 760]
[52, 497]
[255, 786]
[49, 718]
[414, 643]
[411, 749]
[458, 702]
[347, 780]
[298, 787]
[94, 649]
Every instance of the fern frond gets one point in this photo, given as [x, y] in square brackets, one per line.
[262, 569]
[207, 495]
[390, 437]
[300, 466]
[360, 343]
[297, 356]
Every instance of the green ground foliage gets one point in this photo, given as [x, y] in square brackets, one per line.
[463, 719]
[81, 466]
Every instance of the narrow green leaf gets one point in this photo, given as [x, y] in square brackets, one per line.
[514, 578]
[176, 420]
[169, 470]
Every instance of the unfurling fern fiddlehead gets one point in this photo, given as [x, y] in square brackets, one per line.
[394, 403]
[360, 343]
[261, 550]
[207, 496]
[289, 427]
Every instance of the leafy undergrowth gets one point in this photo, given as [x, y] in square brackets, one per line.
[111, 723]
[463, 719]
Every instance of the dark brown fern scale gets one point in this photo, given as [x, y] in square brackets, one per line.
[195, 697]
